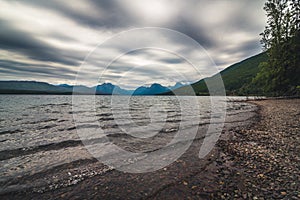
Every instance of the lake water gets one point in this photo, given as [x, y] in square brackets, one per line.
[39, 133]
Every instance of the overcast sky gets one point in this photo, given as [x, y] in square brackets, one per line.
[49, 40]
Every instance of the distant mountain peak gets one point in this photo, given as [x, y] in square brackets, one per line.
[177, 85]
[64, 85]
[154, 89]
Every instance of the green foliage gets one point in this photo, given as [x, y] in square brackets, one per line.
[275, 72]
[235, 77]
[279, 76]
[242, 73]
[258, 84]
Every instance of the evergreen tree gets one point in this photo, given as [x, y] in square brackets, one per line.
[280, 74]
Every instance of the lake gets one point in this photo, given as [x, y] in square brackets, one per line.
[40, 133]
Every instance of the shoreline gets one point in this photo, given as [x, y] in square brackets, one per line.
[220, 175]
[264, 160]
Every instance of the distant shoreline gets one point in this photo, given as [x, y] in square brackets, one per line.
[251, 98]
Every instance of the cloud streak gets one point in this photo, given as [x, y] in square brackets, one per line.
[48, 40]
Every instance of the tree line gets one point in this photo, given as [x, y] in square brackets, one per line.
[279, 75]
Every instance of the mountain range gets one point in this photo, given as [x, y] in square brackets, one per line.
[34, 87]
[235, 78]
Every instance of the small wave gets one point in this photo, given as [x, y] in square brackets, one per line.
[71, 128]
[43, 121]
[47, 126]
[109, 126]
[49, 105]
[77, 112]
[104, 115]
[107, 119]
[87, 126]
[7, 154]
[69, 174]
[118, 135]
[173, 121]
[169, 130]
[11, 131]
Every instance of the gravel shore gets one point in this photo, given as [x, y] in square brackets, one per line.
[256, 157]
[263, 161]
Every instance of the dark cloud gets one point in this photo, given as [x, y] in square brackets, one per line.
[172, 60]
[20, 67]
[114, 15]
[10, 74]
[111, 14]
[16, 40]
[249, 46]
[187, 27]
[246, 48]
[228, 31]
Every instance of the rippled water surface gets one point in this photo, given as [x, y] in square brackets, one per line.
[38, 133]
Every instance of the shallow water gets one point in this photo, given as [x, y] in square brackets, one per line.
[38, 132]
